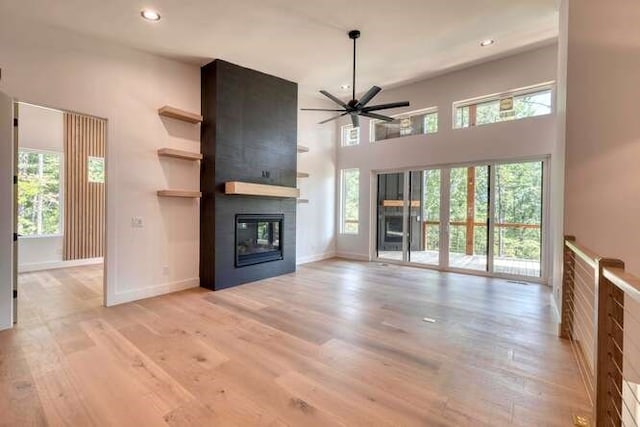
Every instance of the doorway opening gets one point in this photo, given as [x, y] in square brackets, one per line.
[486, 218]
[60, 212]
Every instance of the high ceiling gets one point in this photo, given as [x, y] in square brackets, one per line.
[305, 40]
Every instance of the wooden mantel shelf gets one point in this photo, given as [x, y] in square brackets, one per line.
[179, 154]
[180, 193]
[399, 203]
[176, 113]
[251, 189]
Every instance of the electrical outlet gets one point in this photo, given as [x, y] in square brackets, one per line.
[137, 222]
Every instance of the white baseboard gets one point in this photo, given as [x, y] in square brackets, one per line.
[51, 265]
[152, 291]
[352, 256]
[556, 312]
[314, 258]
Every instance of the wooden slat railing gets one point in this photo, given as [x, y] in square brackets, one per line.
[600, 316]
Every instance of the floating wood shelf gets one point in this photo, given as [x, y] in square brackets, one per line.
[303, 200]
[251, 189]
[180, 193]
[179, 154]
[303, 149]
[399, 203]
[303, 175]
[176, 113]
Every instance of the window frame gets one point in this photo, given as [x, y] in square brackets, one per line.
[409, 114]
[61, 185]
[528, 90]
[343, 129]
[343, 199]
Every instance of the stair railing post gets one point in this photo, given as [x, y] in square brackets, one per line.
[608, 401]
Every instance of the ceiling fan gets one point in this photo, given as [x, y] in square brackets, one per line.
[358, 107]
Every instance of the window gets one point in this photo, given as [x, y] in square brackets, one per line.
[39, 200]
[514, 106]
[415, 123]
[95, 169]
[350, 135]
[350, 205]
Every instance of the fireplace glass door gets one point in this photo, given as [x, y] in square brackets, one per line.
[258, 239]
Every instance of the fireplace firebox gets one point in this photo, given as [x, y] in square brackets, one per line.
[258, 239]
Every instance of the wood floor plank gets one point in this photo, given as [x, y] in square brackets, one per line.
[336, 343]
[165, 391]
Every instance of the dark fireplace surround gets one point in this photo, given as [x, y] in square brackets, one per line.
[249, 134]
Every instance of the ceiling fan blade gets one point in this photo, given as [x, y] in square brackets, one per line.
[377, 117]
[355, 120]
[368, 96]
[386, 106]
[319, 109]
[332, 118]
[333, 98]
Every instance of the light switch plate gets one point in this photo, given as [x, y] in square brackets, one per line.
[137, 222]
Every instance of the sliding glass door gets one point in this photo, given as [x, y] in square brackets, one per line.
[425, 189]
[517, 240]
[391, 236]
[485, 218]
[469, 218]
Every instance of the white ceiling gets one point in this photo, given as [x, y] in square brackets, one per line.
[305, 40]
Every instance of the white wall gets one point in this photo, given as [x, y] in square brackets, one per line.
[603, 128]
[316, 219]
[40, 129]
[6, 211]
[517, 139]
[603, 137]
[125, 86]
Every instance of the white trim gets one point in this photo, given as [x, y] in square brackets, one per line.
[7, 198]
[40, 236]
[315, 258]
[153, 291]
[52, 265]
[556, 313]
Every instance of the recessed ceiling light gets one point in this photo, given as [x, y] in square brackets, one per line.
[345, 86]
[150, 15]
[487, 42]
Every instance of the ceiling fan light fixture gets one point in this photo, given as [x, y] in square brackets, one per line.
[150, 15]
[345, 86]
[355, 108]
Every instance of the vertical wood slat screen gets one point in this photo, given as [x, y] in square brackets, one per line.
[84, 202]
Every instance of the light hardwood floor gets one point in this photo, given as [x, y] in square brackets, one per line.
[337, 343]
